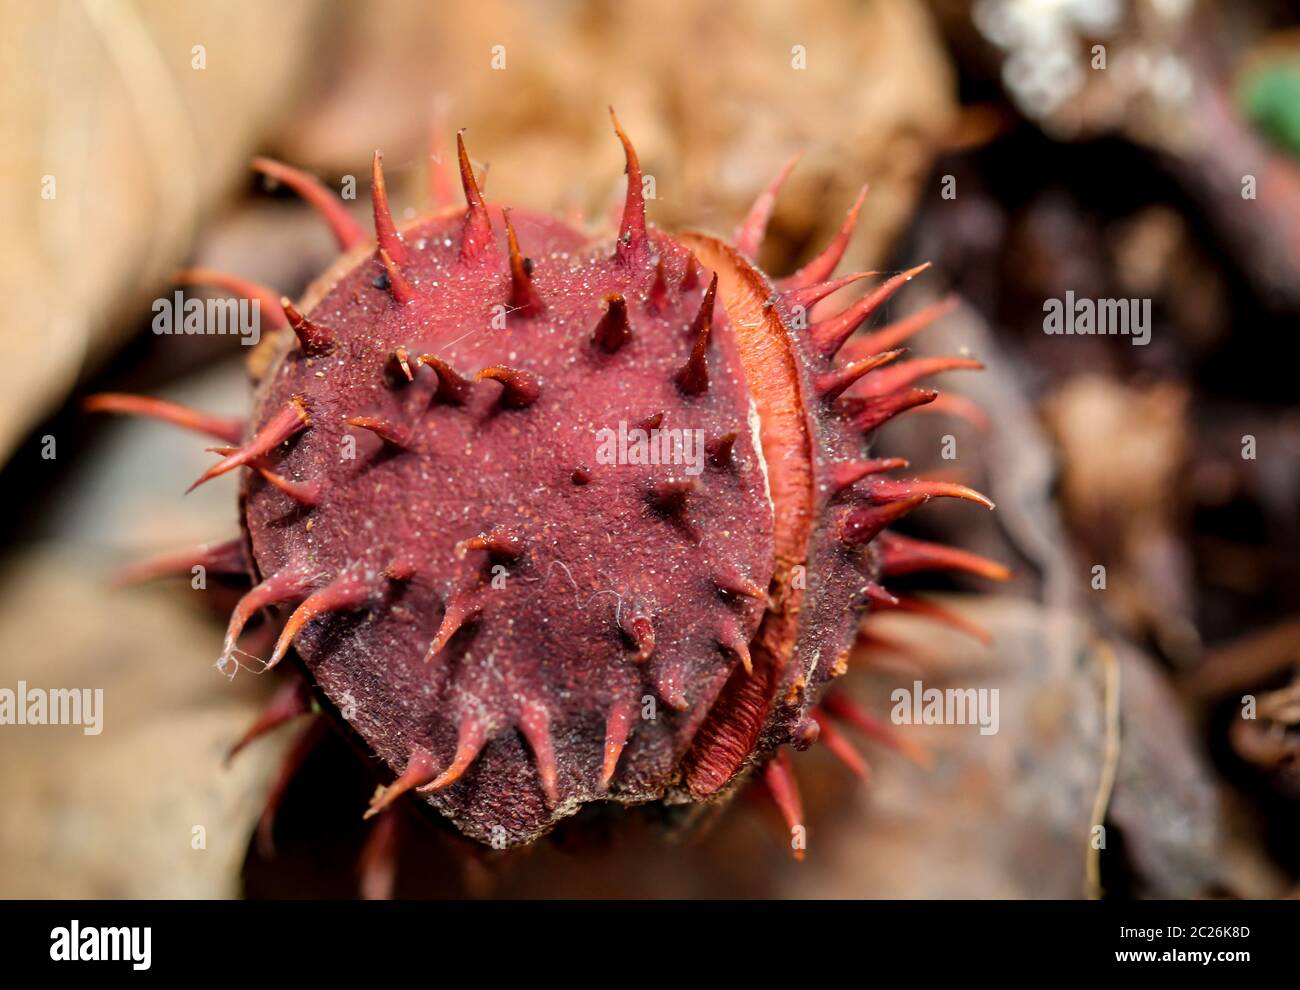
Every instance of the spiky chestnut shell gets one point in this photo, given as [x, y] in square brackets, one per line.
[824, 568]
[515, 627]
[582, 568]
